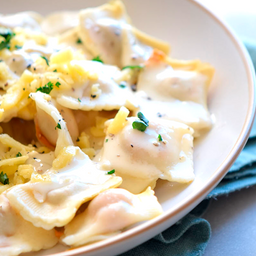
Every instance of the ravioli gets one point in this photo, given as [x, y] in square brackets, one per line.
[53, 198]
[174, 94]
[63, 137]
[146, 158]
[106, 32]
[102, 93]
[16, 233]
[110, 212]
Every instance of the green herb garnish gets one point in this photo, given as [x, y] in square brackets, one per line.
[19, 154]
[97, 58]
[122, 84]
[18, 47]
[133, 67]
[111, 172]
[160, 137]
[140, 124]
[142, 118]
[55, 70]
[46, 60]
[46, 88]
[106, 140]
[79, 41]
[58, 126]
[4, 178]
[8, 35]
[78, 99]
[58, 84]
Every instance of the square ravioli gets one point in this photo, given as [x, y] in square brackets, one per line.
[164, 150]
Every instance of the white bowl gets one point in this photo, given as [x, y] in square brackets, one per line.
[193, 32]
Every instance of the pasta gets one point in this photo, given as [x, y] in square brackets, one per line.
[93, 113]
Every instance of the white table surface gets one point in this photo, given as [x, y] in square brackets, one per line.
[232, 217]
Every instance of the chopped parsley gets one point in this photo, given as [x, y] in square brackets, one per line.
[160, 137]
[58, 84]
[79, 41]
[111, 172]
[4, 178]
[18, 154]
[8, 35]
[46, 88]
[18, 47]
[106, 140]
[78, 99]
[58, 126]
[133, 67]
[97, 58]
[55, 70]
[46, 60]
[140, 124]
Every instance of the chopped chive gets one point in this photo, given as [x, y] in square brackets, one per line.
[78, 99]
[8, 35]
[46, 60]
[97, 58]
[58, 84]
[46, 88]
[133, 67]
[55, 70]
[111, 172]
[4, 178]
[142, 118]
[139, 125]
[58, 126]
[18, 154]
[106, 140]
[160, 137]
[79, 41]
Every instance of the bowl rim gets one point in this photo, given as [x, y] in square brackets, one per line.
[219, 172]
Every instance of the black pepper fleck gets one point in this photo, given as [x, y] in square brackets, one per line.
[134, 88]
[159, 115]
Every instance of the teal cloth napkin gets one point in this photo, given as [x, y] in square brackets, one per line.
[190, 235]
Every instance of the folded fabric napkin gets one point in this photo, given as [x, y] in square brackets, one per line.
[190, 235]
